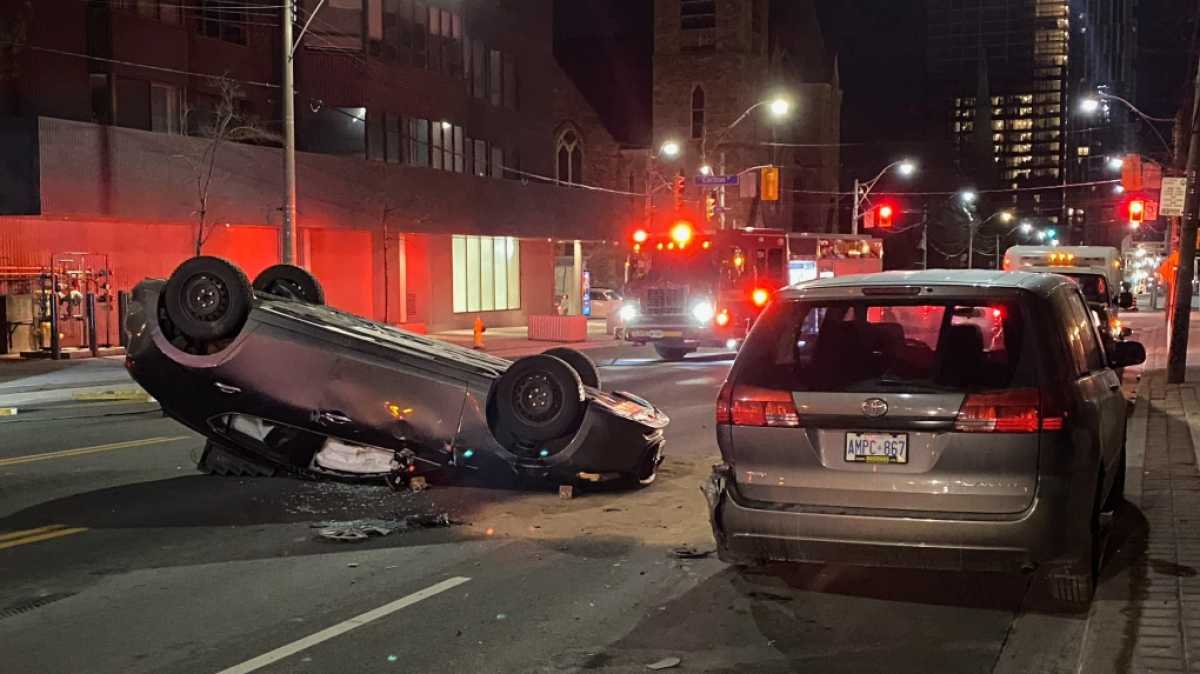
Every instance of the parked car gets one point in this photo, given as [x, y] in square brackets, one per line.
[277, 380]
[940, 419]
[604, 301]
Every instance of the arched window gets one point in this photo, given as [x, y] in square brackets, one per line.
[698, 112]
[570, 157]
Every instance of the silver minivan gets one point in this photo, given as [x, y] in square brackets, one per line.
[938, 419]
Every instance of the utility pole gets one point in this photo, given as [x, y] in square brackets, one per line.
[721, 194]
[287, 232]
[1182, 309]
[854, 209]
[925, 237]
[997, 252]
[971, 243]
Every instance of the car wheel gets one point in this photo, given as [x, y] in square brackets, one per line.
[539, 398]
[1076, 584]
[672, 353]
[207, 299]
[292, 282]
[588, 373]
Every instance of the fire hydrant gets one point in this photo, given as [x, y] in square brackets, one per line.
[478, 333]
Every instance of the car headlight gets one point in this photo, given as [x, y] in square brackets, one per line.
[627, 313]
[703, 311]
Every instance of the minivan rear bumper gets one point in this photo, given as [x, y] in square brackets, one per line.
[749, 532]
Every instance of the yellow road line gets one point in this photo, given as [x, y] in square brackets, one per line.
[81, 451]
[57, 533]
[29, 532]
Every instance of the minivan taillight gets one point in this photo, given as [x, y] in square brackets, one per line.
[725, 404]
[1015, 411]
[754, 406]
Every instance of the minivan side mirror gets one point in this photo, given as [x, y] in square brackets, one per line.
[1125, 299]
[1125, 354]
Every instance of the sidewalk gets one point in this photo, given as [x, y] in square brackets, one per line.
[25, 383]
[1146, 616]
[514, 342]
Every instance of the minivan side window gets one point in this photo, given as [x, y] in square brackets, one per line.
[1080, 333]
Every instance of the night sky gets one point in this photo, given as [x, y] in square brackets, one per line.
[607, 45]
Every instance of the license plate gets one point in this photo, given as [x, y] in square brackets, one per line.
[877, 447]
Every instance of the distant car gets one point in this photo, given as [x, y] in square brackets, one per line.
[937, 419]
[604, 302]
[277, 381]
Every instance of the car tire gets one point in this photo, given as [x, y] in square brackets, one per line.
[539, 398]
[671, 353]
[1076, 585]
[292, 282]
[588, 373]
[207, 299]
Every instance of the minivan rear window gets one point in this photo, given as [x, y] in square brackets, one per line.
[889, 345]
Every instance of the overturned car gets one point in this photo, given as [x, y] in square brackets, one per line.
[277, 381]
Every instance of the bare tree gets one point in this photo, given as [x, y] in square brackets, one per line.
[224, 122]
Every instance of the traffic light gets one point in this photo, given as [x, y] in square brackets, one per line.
[710, 206]
[677, 186]
[886, 211]
[1137, 212]
[770, 183]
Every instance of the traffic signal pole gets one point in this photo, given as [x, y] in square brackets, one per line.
[1181, 311]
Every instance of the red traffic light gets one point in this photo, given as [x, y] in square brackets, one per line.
[886, 211]
[1137, 212]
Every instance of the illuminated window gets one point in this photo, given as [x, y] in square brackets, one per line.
[487, 273]
[1020, 124]
[1083, 150]
[998, 137]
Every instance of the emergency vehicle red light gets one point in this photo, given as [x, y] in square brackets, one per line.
[760, 297]
[640, 236]
[681, 233]
[723, 318]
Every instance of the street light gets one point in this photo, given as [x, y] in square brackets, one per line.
[1041, 235]
[972, 227]
[778, 107]
[1026, 228]
[1118, 189]
[706, 170]
[1115, 163]
[905, 167]
[669, 149]
[1091, 104]
[968, 196]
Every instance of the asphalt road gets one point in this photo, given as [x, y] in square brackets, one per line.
[117, 556]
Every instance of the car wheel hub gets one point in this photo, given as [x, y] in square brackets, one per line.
[205, 298]
[538, 398]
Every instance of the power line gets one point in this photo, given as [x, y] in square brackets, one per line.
[1006, 190]
[132, 64]
[592, 188]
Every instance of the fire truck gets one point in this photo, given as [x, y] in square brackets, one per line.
[687, 288]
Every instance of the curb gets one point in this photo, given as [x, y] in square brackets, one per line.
[74, 394]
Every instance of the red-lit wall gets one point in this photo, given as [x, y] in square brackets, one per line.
[342, 261]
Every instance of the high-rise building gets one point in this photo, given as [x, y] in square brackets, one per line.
[1007, 77]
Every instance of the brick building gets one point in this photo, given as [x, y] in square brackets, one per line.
[713, 60]
[438, 144]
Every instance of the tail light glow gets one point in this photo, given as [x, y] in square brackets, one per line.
[1015, 411]
[754, 406]
[640, 236]
[723, 317]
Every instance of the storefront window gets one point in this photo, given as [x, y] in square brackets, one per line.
[487, 273]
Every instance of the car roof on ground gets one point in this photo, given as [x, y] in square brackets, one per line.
[1037, 282]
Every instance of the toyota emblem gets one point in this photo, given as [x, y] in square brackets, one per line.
[874, 407]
